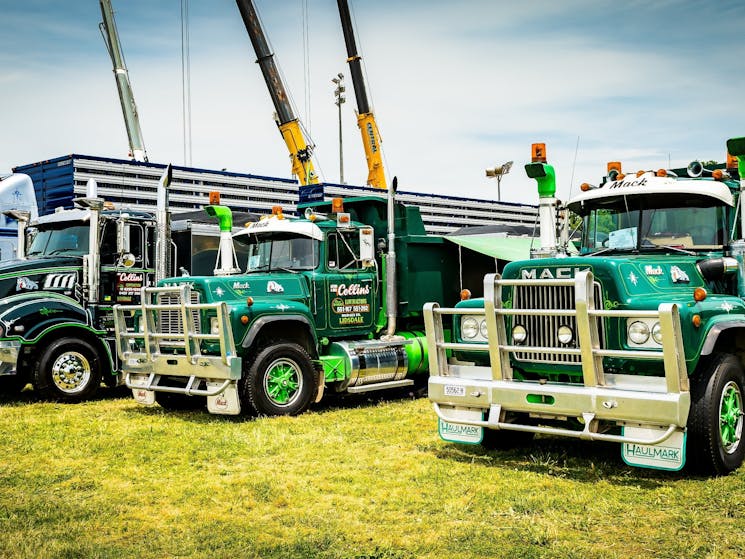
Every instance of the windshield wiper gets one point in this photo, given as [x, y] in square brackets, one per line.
[608, 250]
[285, 269]
[668, 247]
[261, 268]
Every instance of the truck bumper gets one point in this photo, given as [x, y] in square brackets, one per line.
[489, 396]
[9, 351]
[169, 359]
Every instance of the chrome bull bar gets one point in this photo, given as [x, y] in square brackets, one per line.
[622, 398]
[175, 353]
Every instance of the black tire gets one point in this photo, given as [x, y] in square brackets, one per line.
[67, 370]
[12, 384]
[281, 380]
[179, 402]
[715, 423]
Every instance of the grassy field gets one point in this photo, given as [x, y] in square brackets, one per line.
[354, 479]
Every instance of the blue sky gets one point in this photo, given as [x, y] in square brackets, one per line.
[457, 87]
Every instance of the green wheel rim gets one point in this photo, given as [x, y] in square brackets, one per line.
[283, 382]
[730, 417]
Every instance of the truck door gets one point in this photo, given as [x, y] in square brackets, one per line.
[350, 289]
[125, 265]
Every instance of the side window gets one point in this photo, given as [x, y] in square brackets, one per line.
[109, 255]
[343, 250]
[136, 242]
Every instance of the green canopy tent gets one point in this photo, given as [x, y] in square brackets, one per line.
[497, 246]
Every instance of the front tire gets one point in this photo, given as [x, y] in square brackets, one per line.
[281, 380]
[68, 370]
[715, 425]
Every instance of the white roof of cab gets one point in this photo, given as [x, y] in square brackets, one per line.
[74, 214]
[650, 184]
[274, 225]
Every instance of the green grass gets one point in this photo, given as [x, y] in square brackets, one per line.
[355, 479]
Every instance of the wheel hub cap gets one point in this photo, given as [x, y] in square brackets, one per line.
[71, 372]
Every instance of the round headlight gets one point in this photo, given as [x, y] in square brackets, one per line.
[657, 333]
[638, 332]
[482, 329]
[519, 334]
[469, 327]
[565, 334]
[214, 326]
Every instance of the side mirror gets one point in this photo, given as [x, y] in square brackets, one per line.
[127, 260]
[367, 247]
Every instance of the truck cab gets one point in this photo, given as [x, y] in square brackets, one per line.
[330, 301]
[637, 339]
[56, 322]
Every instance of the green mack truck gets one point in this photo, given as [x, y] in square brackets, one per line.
[639, 339]
[56, 320]
[331, 301]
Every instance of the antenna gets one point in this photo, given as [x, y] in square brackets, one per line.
[574, 164]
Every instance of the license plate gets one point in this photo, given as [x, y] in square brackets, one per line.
[668, 455]
[454, 390]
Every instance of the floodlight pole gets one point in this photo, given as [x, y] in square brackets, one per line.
[498, 173]
[339, 99]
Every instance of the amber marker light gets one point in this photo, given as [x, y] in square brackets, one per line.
[696, 320]
[661, 173]
[538, 153]
[731, 161]
[465, 294]
[585, 187]
[249, 301]
[717, 174]
[640, 173]
[244, 319]
[277, 211]
[337, 206]
[699, 294]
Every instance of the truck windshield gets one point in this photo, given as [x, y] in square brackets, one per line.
[624, 227]
[282, 252]
[71, 240]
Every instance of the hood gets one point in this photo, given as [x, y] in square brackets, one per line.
[58, 274]
[621, 277]
[270, 286]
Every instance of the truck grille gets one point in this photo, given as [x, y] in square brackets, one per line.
[170, 321]
[543, 330]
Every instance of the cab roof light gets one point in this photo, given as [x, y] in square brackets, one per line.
[585, 186]
[277, 211]
[538, 153]
[720, 174]
[731, 161]
[214, 198]
[337, 205]
[614, 170]
[465, 294]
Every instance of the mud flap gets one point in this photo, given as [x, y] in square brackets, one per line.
[227, 402]
[667, 455]
[143, 396]
[459, 433]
